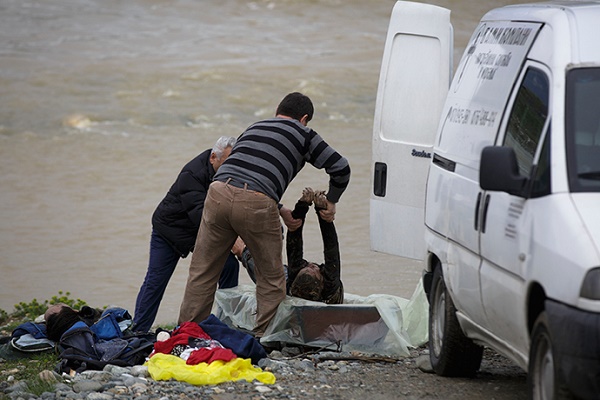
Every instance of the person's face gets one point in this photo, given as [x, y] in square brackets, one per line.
[217, 162]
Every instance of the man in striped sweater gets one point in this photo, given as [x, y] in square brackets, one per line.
[244, 200]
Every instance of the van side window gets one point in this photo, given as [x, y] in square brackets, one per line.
[582, 128]
[527, 118]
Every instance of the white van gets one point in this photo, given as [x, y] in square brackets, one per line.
[493, 180]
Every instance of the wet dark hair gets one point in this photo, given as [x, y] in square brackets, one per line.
[59, 323]
[296, 105]
[307, 287]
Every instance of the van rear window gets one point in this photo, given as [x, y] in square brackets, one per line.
[582, 129]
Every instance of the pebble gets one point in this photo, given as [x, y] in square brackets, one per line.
[424, 364]
[117, 383]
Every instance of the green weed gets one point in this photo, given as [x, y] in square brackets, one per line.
[34, 308]
[29, 311]
[3, 316]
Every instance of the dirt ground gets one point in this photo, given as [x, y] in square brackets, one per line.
[498, 379]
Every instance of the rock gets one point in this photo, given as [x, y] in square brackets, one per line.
[67, 394]
[47, 376]
[424, 364]
[262, 389]
[271, 365]
[18, 387]
[60, 386]
[304, 365]
[87, 386]
[140, 371]
[22, 396]
[139, 388]
[129, 380]
[116, 370]
[103, 376]
[98, 396]
[119, 390]
[48, 396]
[290, 351]
[277, 355]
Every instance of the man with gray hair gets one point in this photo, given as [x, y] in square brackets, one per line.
[175, 225]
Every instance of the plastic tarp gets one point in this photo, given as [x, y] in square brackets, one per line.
[378, 324]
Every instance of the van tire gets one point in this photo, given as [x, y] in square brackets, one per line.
[450, 351]
[543, 378]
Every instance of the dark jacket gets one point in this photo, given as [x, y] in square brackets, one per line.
[333, 289]
[177, 217]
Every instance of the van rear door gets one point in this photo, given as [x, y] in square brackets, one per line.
[413, 83]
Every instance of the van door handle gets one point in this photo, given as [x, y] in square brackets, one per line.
[477, 204]
[485, 210]
[380, 179]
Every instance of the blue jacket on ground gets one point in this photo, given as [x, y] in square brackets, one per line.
[242, 344]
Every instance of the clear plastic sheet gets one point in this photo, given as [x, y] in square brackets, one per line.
[378, 324]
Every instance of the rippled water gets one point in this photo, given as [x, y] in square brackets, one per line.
[103, 102]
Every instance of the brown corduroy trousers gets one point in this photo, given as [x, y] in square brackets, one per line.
[229, 212]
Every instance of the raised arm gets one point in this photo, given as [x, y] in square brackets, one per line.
[294, 242]
[331, 268]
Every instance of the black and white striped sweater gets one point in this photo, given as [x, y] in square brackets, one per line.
[270, 153]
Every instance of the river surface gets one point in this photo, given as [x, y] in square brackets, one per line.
[103, 101]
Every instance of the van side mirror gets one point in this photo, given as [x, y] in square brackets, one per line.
[499, 171]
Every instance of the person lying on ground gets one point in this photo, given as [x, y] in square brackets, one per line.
[304, 279]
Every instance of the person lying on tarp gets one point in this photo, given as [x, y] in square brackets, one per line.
[305, 279]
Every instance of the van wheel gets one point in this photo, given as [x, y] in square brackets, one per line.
[450, 351]
[543, 379]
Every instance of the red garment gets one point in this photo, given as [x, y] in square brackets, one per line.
[180, 335]
[209, 355]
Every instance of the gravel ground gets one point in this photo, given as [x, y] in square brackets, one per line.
[324, 375]
[497, 379]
